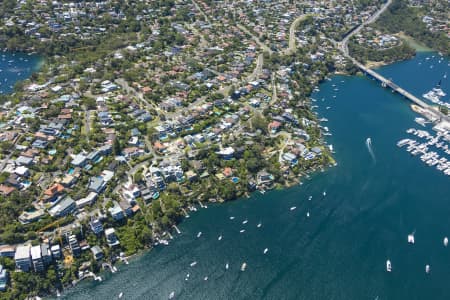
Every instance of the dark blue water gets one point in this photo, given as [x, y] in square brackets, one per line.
[340, 251]
[15, 67]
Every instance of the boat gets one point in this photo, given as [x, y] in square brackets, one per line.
[259, 225]
[206, 278]
[310, 198]
[199, 234]
[171, 295]
[120, 295]
[227, 266]
[219, 238]
[193, 263]
[231, 218]
[293, 207]
[242, 231]
[307, 214]
[427, 269]
[445, 241]
[244, 222]
[324, 193]
[411, 238]
[388, 266]
[243, 267]
[266, 250]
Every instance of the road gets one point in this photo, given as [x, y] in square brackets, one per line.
[255, 38]
[343, 45]
[292, 29]
[258, 69]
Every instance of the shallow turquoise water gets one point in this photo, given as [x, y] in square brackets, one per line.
[15, 67]
[340, 251]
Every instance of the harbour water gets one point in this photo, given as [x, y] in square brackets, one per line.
[340, 251]
[16, 66]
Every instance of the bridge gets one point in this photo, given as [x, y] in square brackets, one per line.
[430, 111]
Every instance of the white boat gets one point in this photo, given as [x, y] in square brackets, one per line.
[411, 238]
[171, 295]
[243, 267]
[199, 234]
[445, 241]
[242, 231]
[266, 250]
[245, 222]
[193, 263]
[324, 193]
[310, 198]
[259, 225]
[227, 266]
[427, 269]
[206, 278]
[388, 266]
[219, 238]
[307, 214]
[120, 295]
[231, 218]
[293, 207]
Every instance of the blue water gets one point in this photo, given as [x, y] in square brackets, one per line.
[340, 251]
[15, 67]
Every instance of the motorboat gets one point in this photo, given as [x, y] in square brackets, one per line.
[242, 231]
[293, 208]
[427, 269]
[120, 295]
[243, 267]
[193, 263]
[244, 222]
[227, 266]
[388, 266]
[199, 234]
[266, 250]
[445, 241]
[219, 238]
[171, 295]
[411, 238]
[259, 225]
[307, 214]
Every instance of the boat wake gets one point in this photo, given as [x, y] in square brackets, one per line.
[369, 148]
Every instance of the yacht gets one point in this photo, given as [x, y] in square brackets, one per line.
[293, 207]
[445, 241]
[427, 269]
[266, 250]
[199, 234]
[388, 266]
[244, 222]
[243, 267]
[411, 238]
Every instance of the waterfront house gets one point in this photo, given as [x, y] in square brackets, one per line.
[96, 184]
[116, 212]
[97, 252]
[96, 226]
[111, 237]
[7, 251]
[36, 258]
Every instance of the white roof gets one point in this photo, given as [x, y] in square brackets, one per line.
[22, 252]
[109, 231]
[36, 252]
